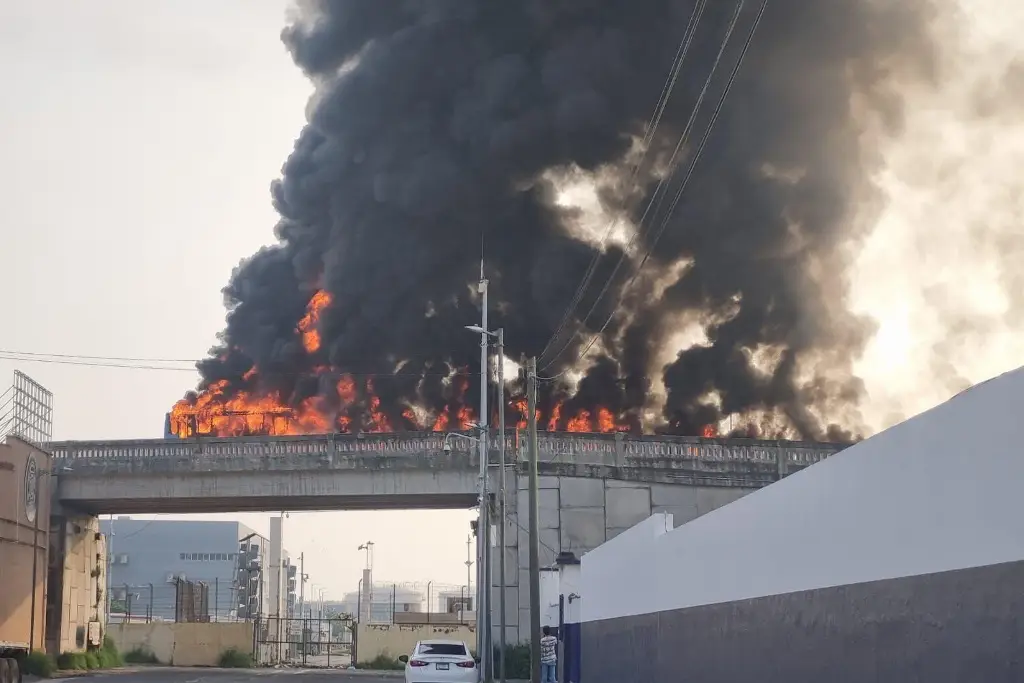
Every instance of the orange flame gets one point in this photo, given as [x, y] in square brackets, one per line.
[216, 413]
[308, 324]
[220, 411]
[709, 432]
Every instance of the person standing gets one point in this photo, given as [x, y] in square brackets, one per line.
[548, 657]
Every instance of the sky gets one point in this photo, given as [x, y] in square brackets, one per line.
[139, 141]
[139, 147]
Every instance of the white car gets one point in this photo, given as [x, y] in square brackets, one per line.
[440, 661]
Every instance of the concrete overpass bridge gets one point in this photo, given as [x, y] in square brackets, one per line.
[385, 471]
[592, 486]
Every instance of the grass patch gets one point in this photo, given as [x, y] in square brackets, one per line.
[38, 664]
[233, 658]
[140, 656]
[72, 661]
[108, 656]
[382, 662]
[517, 661]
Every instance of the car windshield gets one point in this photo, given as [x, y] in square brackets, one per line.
[442, 649]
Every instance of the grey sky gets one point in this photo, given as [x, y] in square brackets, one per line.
[138, 141]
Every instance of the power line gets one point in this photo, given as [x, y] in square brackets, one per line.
[111, 358]
[658, 197]
[89, 363]
[652, 127]
[679, 191]
[69, 360]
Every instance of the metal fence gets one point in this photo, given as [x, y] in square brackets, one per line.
[181, 601]
[161, 602]
[310, 642]
[415, 603]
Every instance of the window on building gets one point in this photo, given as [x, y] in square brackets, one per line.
[206, 557]
[184, 556]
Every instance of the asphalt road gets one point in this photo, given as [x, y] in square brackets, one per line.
[188, 675]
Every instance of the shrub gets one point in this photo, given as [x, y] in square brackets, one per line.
[38, 664]
[91, 661]
[517, 661]
[110, 658]
[233, 658]
[72, 661]
[140, 656]
[383, 662]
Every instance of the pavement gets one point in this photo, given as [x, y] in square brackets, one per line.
[162, 674]
[158, 674]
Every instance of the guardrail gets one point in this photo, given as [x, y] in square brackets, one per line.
[561, 447]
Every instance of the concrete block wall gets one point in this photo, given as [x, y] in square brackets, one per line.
[578, 514]
[82, 584]
[184, 644]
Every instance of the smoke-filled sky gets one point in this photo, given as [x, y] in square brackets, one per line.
[857, 203]
[440, 129]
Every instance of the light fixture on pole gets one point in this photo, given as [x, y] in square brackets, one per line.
[368, 547]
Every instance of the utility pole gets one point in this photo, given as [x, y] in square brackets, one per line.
[483, 523]
[502, 520]
[302, 588]
[531, 393]
[469, 565]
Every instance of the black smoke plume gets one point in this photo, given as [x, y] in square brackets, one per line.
[437, 125]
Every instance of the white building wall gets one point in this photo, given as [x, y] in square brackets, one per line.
[939, 492]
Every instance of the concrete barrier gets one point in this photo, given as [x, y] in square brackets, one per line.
[183, 644]
[392, 640]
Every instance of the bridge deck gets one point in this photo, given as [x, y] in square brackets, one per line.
[382, 471]
[561, 447]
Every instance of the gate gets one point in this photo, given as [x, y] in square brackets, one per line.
[313, 643]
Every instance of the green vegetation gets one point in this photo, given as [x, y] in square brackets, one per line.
[233, 658]
[107, 656]
[39, 664]
[517, 661]
[382, 662]
[140, 656]
[72, 661]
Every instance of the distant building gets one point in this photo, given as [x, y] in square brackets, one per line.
[386, 599]
[147, 557]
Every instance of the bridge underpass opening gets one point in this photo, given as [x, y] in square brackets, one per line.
[415, 561]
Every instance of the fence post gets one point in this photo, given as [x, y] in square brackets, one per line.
[149, 614]
[394, 600]
[127, 604]
[216, 598]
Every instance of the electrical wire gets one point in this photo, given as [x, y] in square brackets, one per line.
[659, 195]
[111, 358]
[651, 129]
[678, 194]
[68, 359]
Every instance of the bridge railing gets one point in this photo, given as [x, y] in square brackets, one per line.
[617, 449]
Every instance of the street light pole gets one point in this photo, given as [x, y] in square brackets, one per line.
[531, 393]
[482, 637]
[502, 519]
